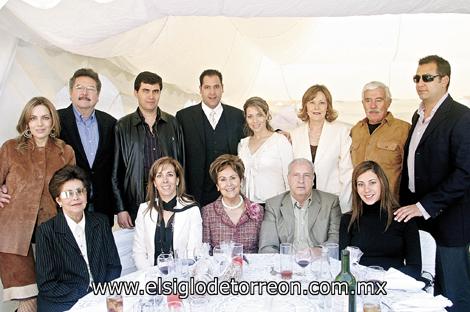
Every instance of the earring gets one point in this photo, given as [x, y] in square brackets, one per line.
[52, 134]
[27, 134]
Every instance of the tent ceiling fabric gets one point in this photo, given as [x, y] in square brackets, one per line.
[269, 48]
[266, 8]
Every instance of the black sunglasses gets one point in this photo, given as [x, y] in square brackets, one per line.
[426, 77]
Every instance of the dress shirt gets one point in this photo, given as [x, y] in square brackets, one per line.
[266, 168]
[88, 130]
[301, 236]
[213, 115]
[152, 149]
[418, 132]
[78, 231]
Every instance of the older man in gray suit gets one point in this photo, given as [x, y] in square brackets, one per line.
[303, 216]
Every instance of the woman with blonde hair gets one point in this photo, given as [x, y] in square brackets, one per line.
[326, 142]
[265, 154]
[27, 165]
[170, 220]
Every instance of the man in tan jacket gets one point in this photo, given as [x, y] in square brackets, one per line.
[380, 136]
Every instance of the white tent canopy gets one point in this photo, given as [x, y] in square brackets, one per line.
[273, 49]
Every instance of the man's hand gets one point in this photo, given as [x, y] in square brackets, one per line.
[4, 197]
[407, 212]
[124, 220]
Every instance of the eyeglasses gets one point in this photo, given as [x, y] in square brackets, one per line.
[81, 89]
[426, 78]
[71, 193]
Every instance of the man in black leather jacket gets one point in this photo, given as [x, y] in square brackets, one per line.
[141, 138]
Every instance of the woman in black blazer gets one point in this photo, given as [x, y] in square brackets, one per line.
[73, 249]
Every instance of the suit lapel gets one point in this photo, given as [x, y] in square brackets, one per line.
[287, 225]
[323, 142]
[71, 125]
[313, 211]
[63, 229]
[439, 116]
[198, 122]
[101, 135]
[91, 235]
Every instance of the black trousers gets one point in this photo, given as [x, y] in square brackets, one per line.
[453, 277]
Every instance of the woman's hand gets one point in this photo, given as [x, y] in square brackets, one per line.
[4, 197]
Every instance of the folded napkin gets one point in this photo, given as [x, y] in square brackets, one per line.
[399, 280]
[422, 302]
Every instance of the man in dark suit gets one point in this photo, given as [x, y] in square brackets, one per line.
[210, 129]
[435, 184]
[90, 132]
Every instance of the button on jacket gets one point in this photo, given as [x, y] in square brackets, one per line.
[128, 171]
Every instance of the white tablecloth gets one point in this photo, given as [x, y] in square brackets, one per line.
[258, 269]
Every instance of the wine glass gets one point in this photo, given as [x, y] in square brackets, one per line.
[165, 263]
[355, 255]
[220, 258]
[303, 257]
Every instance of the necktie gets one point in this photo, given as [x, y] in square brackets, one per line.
[212, 119]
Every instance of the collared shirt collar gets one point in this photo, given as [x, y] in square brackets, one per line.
[307, 201]
[142, 118]
[73, 225]
[79, 117]
[434, 109]
[388, 119]
[207, 110]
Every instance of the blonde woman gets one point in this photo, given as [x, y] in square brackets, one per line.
[26, 167]
[326, 142]
[265, 154]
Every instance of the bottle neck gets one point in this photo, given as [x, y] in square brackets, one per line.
[345, 262]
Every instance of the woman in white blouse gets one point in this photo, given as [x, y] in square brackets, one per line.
[326, 142]
[265, 153]
[170, 220]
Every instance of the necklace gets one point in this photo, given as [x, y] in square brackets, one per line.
[233, 207]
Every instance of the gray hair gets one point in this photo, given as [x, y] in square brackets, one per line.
[375, 85]
[300, 161]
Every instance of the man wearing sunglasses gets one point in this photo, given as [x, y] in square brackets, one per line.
[435, 185]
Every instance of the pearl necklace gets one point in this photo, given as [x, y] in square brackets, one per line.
[233, 207]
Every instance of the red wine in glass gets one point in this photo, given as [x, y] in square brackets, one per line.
[286, 274]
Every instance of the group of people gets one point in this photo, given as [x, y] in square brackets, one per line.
[179, 182]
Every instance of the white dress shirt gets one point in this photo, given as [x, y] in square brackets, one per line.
[418, 132]
[78, 231]
[266, 168]
[213, 115]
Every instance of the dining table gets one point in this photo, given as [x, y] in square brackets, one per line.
[403, 293]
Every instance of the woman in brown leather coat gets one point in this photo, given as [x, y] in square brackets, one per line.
[27, 164]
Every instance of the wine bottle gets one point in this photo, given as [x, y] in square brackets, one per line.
[346, 302]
